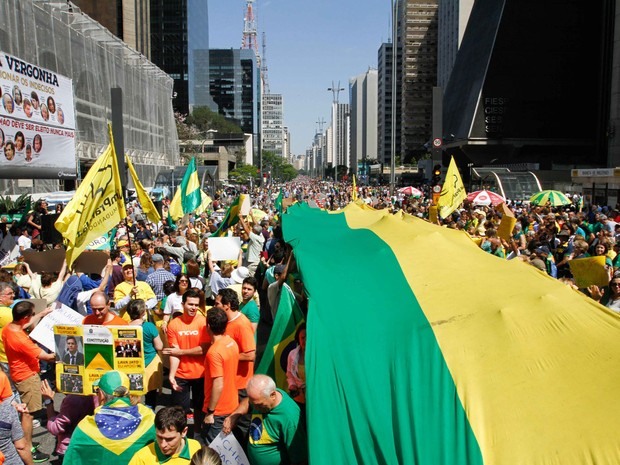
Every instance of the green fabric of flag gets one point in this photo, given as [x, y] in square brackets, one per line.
[231, 217]
[187, 198]
[278, 202]
[282, 338]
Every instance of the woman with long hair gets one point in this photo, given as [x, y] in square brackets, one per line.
[174, 302]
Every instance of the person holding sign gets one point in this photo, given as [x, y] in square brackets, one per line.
[131, 289]
[100, 305]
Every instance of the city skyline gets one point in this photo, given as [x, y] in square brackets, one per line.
[309, 45]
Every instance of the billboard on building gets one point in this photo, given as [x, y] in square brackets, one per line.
[37, 121]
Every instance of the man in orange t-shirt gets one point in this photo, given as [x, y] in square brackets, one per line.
[24, 356]
[100, 305]
[221, 396]
[188, 340]
[240, 329]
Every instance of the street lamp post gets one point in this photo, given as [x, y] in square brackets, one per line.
[393, 126]
[336, 92]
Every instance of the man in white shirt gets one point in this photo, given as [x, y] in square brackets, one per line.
[24, 241]
[257, 241]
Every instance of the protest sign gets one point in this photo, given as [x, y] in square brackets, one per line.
[506, 226]
[224, 248]
[99, 350]
[91, 262]
[49, 260]
[43, 333]
[229, 449]
[589, 271]
[245, 205]
[37, 121]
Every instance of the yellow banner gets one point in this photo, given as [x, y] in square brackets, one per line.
[97, 206]
[588, 271]
[453, 191]
[145, 201]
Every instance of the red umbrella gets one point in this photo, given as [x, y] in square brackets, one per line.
[410, 190]
[485, 197]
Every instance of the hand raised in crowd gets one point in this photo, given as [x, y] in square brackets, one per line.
[46, 389]
[595, 292]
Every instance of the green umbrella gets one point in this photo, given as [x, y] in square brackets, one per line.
[553, 198]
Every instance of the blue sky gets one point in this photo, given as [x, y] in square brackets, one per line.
[309, 44]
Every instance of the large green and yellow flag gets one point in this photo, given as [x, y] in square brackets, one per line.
[438, 353]
[282, 338]
[187, 198]
[231, 217]
[452, 192]
[96, 207]
[145, 200]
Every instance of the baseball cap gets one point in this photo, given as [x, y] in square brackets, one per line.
[112, 382]
[157, 258]
[239, 274]
[544, 249]
[122, 243]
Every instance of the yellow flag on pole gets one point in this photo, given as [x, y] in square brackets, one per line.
[354, 192]
[204, 204]
[453, 191]
[96, 207]
[145, 201]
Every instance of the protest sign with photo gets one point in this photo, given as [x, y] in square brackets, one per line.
[85, 353]
[37, 121]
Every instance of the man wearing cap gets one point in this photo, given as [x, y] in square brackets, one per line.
[159, 276]
[545, 255]
[171, 446]
[257, 241]
[100, 305]
[188, 340]
[116, 431]
[131, 289]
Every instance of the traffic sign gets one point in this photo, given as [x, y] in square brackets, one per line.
[437, 142]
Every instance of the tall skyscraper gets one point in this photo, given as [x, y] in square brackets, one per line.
[180, 46]
[129, 20]
[234, 86]
[384, 103]
[453, 18]
[417, 38]
[340, 134]
[363, 100]
[272, 127]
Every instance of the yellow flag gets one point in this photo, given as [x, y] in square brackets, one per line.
[96, 207]
[204, 204]
[145, 201]
[453, 191]
[354, 192]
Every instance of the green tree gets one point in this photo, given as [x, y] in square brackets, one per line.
[281, 170]
[204, 120]
[244, 173]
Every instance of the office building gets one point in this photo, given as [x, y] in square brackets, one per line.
[129, 20]
[272, 124]
[453, 17]
[180, 46]
[417, 39]
[340, 134]
[234, 87]
[540, 95]
[363, 94]
[384, 102]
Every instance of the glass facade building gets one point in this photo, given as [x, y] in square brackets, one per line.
[180, 46]
[234, 81]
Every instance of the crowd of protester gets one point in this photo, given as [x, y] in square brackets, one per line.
[204, 322]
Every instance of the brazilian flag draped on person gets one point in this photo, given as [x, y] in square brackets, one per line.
[231, 217]
[187, 198]
[112, 435]
[282, 338]
[145, 200]
[96, 207]
[452, 192]
[450, 375]
[278, 202]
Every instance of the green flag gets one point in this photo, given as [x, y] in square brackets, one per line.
[187, 197]
[278, 202]
[282, 338]
[231, 217]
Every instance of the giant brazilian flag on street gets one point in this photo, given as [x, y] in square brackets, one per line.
[423, 349]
